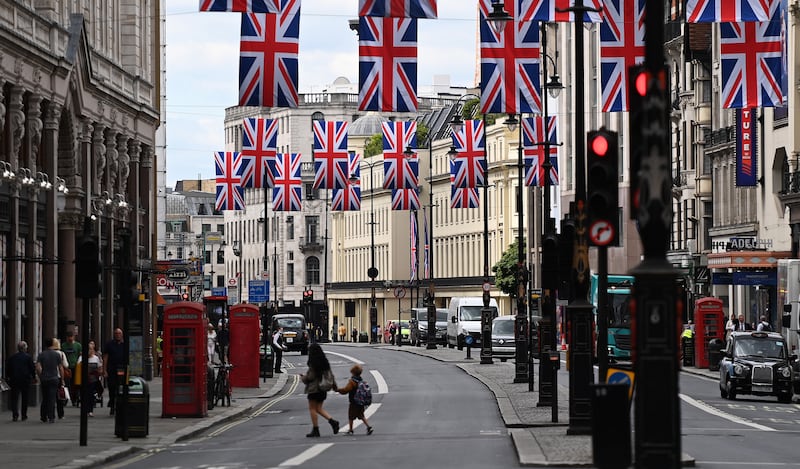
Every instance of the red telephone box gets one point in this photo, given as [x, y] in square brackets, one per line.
[710, 325]
[244, 326]
[185, 361]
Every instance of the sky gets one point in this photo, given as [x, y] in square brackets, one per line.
[202, 67]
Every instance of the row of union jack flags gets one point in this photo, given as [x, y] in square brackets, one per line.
[387, 8]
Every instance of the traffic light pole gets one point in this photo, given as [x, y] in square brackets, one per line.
[87, 274]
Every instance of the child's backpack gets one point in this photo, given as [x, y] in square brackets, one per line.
[363, 394]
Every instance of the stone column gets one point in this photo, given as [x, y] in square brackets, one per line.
[98, 158]
[16, 122]
[50, 278]
[35, 319]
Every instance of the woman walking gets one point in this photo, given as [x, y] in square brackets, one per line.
[95, 370]
[319, 380]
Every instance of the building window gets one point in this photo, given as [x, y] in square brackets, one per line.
[206, 227]
[312, 229]
[311, 193]
[290, 274]
[312, 271]
[290, 227]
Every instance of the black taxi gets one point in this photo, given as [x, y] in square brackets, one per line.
[757, 363]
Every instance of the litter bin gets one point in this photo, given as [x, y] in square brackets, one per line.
[611, 426]
[137, 412]
[267, 363]
[363, 337]
[714, 355]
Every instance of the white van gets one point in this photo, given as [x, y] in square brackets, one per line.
[465, 319]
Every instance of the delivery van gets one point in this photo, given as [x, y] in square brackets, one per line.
[465, 320]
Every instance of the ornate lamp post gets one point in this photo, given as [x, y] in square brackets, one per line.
[372, 271]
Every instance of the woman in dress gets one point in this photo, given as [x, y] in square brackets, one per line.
[95, 370]
[319, 380]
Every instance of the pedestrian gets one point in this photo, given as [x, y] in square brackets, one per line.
[277, 348]
[49, 368]
[743, 325]
[113, 364]
[95, 385]
[211, 342]
[64, 373]
[319, 380]
[764, 325]
[354, 335]
[223, 341]
[342, 332]
[159, 353]
[72, 349]
[386, 335]
[20, 374]
[392, 331]
[355, 411]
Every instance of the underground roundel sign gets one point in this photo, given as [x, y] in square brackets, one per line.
[601, 233]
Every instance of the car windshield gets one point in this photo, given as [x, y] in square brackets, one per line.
[290, 323]
[473, 313]
[765, 348]
[503, 328]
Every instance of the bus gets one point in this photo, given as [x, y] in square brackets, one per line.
[619, 314]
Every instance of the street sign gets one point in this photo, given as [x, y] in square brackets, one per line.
[399, 292]
[258, 291]
[620, 376]
[233, 295]
[220, 291]
[178, 274]
[232, 282]
[265, 275]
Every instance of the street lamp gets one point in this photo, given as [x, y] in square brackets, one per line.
[521, 369]
[498, 18]
[372, 272]
[237, 251]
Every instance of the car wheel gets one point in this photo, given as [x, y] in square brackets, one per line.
[729, 388]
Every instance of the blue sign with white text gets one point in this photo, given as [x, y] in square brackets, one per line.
[258, 291]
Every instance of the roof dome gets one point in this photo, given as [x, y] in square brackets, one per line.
[366, 125]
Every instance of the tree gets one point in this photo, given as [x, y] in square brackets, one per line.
[374, 146]
[505, 271]
[422, 135]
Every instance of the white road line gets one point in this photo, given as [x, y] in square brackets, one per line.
[346, 357]
[383, 388]
[714, 411]
[306, 455]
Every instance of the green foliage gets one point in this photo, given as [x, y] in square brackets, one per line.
[422, 135]
[505, 271]
[374, 146]
[472, 110]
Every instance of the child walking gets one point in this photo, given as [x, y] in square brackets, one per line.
[355, 411]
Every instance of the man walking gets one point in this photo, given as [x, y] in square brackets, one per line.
[49, 368]
[278, 348]
[72, 349]
[20, 373]
[114, 362]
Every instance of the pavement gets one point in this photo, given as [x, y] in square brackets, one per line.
[537, 439]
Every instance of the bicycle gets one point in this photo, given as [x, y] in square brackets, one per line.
[222, 385]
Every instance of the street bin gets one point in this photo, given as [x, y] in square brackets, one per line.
[267, 362]
[611, 426]
[714, 355]
[688, 351]
[137, 412]
[363, 337]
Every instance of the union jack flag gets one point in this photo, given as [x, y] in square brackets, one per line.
[405, 199]
[349, 198]
[230, 194]
[398, 8]
[268, 57]
[718, 11]
[752, 62]
[551, 11]
[509, 65]
[243, 6]
[466, 197]
[330, 155]
[469, 163]
[387, 66]
[414, 240]
[259, 144]
[533, 138]
[426, 262]
[400, 171]
[286, 194]
[621, 46]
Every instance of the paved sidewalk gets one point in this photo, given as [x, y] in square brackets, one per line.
[539, 442]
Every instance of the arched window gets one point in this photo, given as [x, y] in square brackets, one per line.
[317, 116]
[312, 271]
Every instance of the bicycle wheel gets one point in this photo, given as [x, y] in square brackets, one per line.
[219, 392]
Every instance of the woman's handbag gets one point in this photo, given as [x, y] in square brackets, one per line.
[326, 382]
[63, 393]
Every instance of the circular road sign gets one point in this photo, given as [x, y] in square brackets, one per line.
[399, 292]
[487, 286]
[372, 272]
[162, 281]
[601, 233]
[232, 282]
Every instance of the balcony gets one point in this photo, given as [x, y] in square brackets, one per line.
[310, 245]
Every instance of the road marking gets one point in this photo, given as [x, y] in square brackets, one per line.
[295, 380]
[368, 412]
[346, 357]
[306, 455]
[714, 411]
[383, 388]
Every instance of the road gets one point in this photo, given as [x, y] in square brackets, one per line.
[425, 413]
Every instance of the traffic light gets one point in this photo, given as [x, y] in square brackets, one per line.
[308, 296]
[550, 261]
[603, 187]
[185, 297]
[88, 268]
[637, 90]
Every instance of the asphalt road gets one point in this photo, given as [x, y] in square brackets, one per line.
[749, 432]
[425, 413]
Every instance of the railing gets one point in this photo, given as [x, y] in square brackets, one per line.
[312, 244]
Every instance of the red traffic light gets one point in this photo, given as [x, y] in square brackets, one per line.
[600, 145]
[640, 82]
[185, 296]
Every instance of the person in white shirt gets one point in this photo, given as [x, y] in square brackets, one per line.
[278, 348]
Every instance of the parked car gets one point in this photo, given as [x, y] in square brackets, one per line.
[503, 344]
[757, 363]
[295, 333]
[419, 326]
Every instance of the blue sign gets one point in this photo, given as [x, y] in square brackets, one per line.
[220, 291]
[745, 278]
[258, 291]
